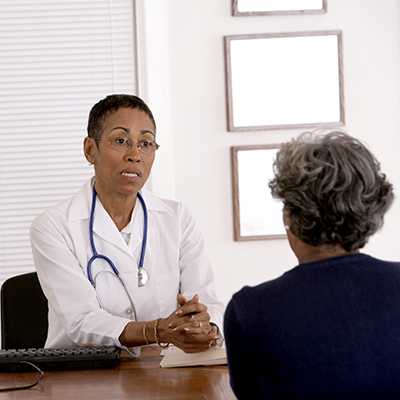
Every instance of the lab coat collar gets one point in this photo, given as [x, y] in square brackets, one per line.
[82, 202]
[154, 203]
[103, 225]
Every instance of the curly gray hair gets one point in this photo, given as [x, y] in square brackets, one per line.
[332, 189]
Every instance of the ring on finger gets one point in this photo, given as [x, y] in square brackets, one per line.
[200, 325]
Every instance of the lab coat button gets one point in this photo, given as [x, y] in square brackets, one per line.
[128, 311]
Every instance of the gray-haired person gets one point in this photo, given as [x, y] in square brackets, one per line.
[330, 327]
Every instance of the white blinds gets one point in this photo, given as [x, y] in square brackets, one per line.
[57, 58]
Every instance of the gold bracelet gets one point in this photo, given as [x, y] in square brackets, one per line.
[145, 338]
[156, 335]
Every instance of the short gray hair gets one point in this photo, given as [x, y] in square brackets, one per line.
[332, 189]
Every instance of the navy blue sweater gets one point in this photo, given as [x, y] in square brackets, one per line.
[327, 329]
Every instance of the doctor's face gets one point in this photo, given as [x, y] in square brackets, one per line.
[124, 172]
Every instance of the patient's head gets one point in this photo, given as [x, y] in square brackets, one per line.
[332, 189]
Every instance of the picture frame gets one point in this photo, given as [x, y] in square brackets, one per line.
[284, 80]
[251, 8]
[256, 214]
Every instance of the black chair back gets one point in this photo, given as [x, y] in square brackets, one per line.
[24, 309]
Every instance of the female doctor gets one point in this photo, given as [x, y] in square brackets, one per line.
[118, 265]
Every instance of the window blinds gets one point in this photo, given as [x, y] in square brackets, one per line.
[57, 59]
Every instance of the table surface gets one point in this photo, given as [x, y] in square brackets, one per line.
[134, 378]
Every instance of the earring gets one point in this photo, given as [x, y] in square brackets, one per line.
[287, 227]
[90, 164]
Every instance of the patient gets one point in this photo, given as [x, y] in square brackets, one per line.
[330, 327]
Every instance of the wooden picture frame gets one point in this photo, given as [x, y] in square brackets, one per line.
[284, 80]
[256, 214]
[251, 8]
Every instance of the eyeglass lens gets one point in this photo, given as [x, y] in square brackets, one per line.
[146, 146]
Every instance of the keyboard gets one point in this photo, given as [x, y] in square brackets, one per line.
[59, 359]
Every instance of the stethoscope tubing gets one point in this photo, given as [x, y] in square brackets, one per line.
[96, 255]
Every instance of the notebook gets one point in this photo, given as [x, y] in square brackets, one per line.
[175, 357]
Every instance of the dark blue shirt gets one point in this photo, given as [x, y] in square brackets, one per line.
[327, 329]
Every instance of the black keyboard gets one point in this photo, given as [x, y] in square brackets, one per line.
[59, 359]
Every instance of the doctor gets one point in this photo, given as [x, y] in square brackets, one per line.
[118, 265]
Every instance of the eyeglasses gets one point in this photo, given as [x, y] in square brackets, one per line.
[123, 144]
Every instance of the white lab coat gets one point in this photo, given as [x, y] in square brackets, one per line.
[174, 261]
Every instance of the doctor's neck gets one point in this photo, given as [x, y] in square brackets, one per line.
[119, 206]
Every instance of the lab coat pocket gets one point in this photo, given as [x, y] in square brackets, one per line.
[112, 295]
[167, 287]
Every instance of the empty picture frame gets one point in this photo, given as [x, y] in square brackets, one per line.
[284, 80]
[256, 214]
[244, 8]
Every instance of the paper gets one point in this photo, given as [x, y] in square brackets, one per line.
[174, 357]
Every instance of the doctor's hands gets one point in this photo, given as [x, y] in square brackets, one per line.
[189, 327]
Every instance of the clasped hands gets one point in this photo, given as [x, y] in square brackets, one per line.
[188, 327]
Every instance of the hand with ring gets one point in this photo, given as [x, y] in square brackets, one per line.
[200, 324]
[191, 315]
[189, 327]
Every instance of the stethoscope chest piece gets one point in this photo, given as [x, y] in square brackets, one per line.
[143, 277]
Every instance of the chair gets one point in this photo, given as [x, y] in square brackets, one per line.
[24, 322]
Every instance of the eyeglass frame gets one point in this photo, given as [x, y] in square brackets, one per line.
[131, 144]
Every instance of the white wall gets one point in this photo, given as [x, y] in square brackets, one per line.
[201, 143]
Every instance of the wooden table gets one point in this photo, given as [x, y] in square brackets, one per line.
[134, 378]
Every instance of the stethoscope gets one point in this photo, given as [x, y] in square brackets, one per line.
[142, 274]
